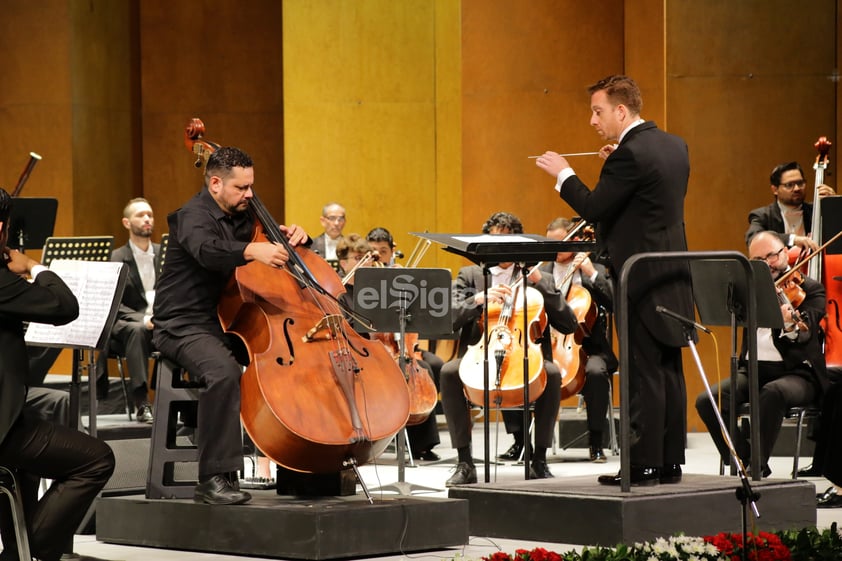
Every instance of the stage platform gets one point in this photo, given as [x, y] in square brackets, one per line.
[287, 527]
[578, 510]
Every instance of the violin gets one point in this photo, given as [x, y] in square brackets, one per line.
[316, 396]
[508, 345]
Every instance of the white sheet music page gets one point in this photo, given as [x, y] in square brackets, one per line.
[94, 283]
[494, 238]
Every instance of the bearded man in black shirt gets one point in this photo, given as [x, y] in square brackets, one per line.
[210, 236]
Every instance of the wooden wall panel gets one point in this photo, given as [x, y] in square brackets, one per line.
[220, 61]
[526, 68]
[360, 100]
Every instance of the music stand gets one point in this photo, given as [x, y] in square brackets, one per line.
[721, 291]
[84, 248]
[31, 222]
[490, 249]
[399, 300]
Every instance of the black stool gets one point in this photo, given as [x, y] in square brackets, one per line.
[174, 394]
[9, 487]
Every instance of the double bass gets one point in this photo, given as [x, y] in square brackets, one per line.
[316, 396]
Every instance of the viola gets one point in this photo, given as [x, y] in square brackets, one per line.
[316, 396]
[508, 345]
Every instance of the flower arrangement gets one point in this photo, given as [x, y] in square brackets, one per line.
[808, 544]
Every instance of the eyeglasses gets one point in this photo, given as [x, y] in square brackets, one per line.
[334, 219]
[793, 184]
[770, 256]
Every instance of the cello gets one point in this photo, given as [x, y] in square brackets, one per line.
[316, 396]
[508, 345]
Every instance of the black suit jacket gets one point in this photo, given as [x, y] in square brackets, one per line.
[133, 305]
[770, 218]
[46, 300]
[638, 205]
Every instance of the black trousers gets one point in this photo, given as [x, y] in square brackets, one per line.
[79, 467]
[657, 400]
[779, 390]
[219, 436]
[457, 412]
[828, 452]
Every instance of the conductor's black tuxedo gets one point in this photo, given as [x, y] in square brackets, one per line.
[638, 206]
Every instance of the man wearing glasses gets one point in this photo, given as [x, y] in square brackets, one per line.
[790, 364]
[333, 220]
[788, 215]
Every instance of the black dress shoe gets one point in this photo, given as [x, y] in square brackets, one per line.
[641, 476]
[832, 501]
[670, 474]
[144, 414]
[810, 471]
[597, 455]
[427, 456]
[539, 470]
[512, 454]
[218, 490]
[829, 492]
[465, 473]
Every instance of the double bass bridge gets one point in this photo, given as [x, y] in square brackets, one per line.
[345, 370]
[328, 328]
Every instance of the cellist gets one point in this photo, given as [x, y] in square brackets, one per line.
[570, 269]
[210, 236]
[468, 303]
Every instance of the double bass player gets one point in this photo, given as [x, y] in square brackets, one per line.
[210, 236]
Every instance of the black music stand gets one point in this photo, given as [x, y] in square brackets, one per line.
[486, 250]
[722, 293]
[31, 222]
[85, 248]
[399, 300]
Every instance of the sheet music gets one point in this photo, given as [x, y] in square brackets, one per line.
[494, 238]
[95, 285]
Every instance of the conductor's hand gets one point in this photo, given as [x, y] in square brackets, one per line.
[295, 234]
[552, 163]
[267, 253]
[606, 150]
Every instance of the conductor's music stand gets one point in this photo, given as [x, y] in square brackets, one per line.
[398, 300]
[31, 222]
[721, 291]
[490, 249]
[85, 248]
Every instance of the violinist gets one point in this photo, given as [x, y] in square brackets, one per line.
[468, 304]
[790, 362]
[31, 444]
[601, 362]
[210, 236]
[423, 437]
[788, 215]
[572, 269]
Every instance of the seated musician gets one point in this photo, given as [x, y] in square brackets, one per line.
[422, 437]
[790, 364]
[131, 335]
[570, 269]
[788, 215]
[468, 303]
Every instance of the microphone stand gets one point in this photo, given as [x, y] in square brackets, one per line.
[745, 494]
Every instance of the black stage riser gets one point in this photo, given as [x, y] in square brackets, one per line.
[287, 527]
[577, 510]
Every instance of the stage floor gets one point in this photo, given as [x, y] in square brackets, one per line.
[567, 466]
